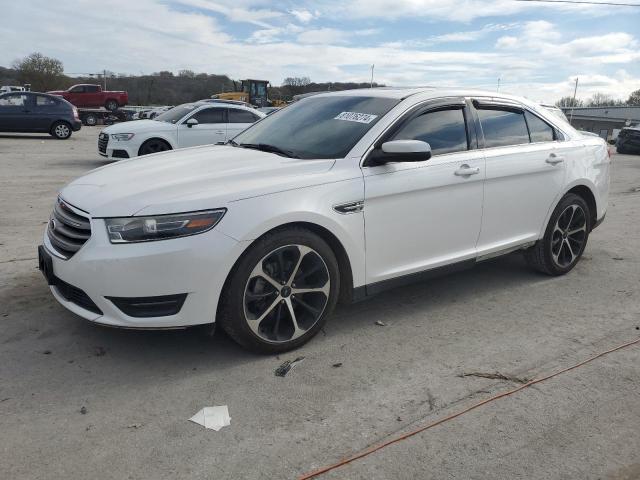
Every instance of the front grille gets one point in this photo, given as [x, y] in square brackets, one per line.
[75, 295]
[103, 140]
[67, 230]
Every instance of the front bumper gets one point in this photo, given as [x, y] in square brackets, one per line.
[196, 266]
[117, 150]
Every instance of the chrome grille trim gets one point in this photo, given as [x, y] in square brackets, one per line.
[103, 141]
[68, 230]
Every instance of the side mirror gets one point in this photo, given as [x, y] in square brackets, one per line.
[400, 151]
[191, 122]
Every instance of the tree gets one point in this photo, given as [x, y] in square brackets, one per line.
[296, 85]
[601, 100]
[569, 102]
[43, 73]
[634, 98]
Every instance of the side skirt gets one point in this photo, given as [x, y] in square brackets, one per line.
[361, 293]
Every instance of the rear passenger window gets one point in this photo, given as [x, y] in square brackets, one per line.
[503, 127]
[241, 116]
[210, 115]
[443, 130]
[45, 101]
[539, 130]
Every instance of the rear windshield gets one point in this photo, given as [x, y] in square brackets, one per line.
[176, 113]
[318, 127]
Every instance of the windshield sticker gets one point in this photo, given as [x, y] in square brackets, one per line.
[356, 117]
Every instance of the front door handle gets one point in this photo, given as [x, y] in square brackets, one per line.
[465, 170]
[554, 159]
[219, 132]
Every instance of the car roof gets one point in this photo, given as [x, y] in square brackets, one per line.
[426, 92]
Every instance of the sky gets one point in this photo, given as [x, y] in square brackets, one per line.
[532, 49]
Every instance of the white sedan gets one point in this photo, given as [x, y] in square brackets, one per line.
[264, 235]
[188, 125]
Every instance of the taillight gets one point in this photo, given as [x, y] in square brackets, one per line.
[75, 113]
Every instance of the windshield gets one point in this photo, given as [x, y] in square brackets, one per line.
[176, 113]
[317, 127]
[557, 112]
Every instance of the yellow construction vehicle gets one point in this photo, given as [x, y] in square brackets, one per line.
[253, 92]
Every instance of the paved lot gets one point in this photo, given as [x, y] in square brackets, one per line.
[139, 388]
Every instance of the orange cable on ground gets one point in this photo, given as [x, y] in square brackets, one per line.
[404, 436]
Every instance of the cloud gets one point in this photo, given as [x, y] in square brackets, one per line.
[303, 16]
[235, 13]
[452, 10]
[332, 36]
[536, 58]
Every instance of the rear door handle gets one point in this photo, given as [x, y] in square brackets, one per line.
[218, 132]
[465, 170]
[554, 159]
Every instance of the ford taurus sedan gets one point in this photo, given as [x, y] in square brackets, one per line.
[188, 125]
[337, 197]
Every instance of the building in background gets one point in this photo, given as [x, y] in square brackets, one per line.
[603, 121]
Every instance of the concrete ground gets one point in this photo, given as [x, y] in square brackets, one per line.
[79, 401]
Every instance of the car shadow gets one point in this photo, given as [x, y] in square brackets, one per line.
[28, 137]
[91, 164]
[169, 352]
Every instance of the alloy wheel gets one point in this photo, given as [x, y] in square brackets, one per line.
[62, 131]
[286, 293]
[569, 236]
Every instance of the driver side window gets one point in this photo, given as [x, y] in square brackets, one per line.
[77, 89]
[444, 130]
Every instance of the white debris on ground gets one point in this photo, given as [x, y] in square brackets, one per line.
[212, 417]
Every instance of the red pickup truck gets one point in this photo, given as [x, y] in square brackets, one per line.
[92, 96]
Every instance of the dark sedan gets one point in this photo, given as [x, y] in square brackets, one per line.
[31, 112]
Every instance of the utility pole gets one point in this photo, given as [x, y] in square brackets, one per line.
[372, 66]
[104, 76]
[498, 89]
[573, 103]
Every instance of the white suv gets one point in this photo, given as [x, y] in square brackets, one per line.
[336, 197]
[188, 125]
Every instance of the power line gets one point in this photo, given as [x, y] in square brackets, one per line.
[585, 2]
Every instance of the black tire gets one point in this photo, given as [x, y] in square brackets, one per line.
[559, 250]
[61, 130]
[111, 105]
[237, 298]
[153, 145]
[91, 120]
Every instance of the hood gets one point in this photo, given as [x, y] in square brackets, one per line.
[190, 179]
[139, 126]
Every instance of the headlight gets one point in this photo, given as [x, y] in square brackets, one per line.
[161, 227]
[122, 137]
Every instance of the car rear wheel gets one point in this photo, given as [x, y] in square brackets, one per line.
[281, 291]
[565, 237]
[91, 120]
[154, 145]
[61, 130]
[111, 105]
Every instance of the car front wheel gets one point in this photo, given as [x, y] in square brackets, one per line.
[154, 145]
[280, 292]
[565, 238]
